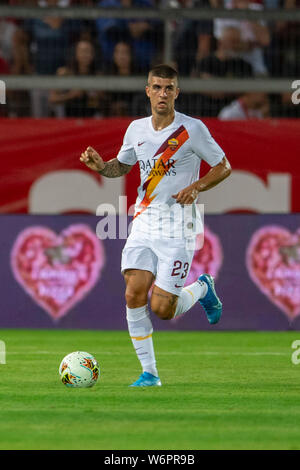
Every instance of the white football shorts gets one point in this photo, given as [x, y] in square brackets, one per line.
[168, 259]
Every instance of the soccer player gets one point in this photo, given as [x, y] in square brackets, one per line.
[169, 147]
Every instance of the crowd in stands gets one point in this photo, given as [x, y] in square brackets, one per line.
[219, 48]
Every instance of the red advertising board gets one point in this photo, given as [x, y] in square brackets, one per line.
[41, 171]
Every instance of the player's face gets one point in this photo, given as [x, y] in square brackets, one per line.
[162, 93]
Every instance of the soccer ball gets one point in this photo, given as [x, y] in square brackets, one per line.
[79, 369]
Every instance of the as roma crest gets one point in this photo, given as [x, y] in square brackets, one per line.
[173, 144]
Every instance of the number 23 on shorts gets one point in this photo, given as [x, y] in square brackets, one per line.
[180, 269]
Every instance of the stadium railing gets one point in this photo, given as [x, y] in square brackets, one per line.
[167, 15]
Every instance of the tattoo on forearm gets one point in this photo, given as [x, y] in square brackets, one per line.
[113, 168]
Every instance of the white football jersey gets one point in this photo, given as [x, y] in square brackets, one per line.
[169, 161]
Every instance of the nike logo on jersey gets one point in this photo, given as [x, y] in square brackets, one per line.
[140, 143]
[177, 286]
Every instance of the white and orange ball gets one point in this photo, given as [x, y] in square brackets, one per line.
[79, 369]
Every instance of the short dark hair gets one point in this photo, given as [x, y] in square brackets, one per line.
[163, 71]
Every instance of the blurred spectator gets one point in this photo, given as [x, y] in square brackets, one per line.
[123, 64]
[14, 47]
[50, 40]
[87, 27]
[143, 35]
[7, 33]
[14, 59]
[225, 62]
[283, 55]
[248, 106]
[255, 35]
[193, 39]
[79, 103]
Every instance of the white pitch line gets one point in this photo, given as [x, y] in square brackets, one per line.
[171, 353]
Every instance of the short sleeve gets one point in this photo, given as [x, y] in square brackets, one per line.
[127, 153]
[204, 145]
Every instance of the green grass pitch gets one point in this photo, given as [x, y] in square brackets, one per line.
[231, 390]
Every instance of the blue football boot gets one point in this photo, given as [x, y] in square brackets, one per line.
[147, 380]
[211, 302]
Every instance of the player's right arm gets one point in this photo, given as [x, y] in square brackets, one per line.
[111, 169]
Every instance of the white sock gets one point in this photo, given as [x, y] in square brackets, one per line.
[189, 296]
[140, 330]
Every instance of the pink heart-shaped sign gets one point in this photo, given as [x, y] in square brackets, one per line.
[57, 271]
[273, 262]
[207, 258]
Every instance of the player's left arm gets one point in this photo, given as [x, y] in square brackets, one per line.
[213, 177]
